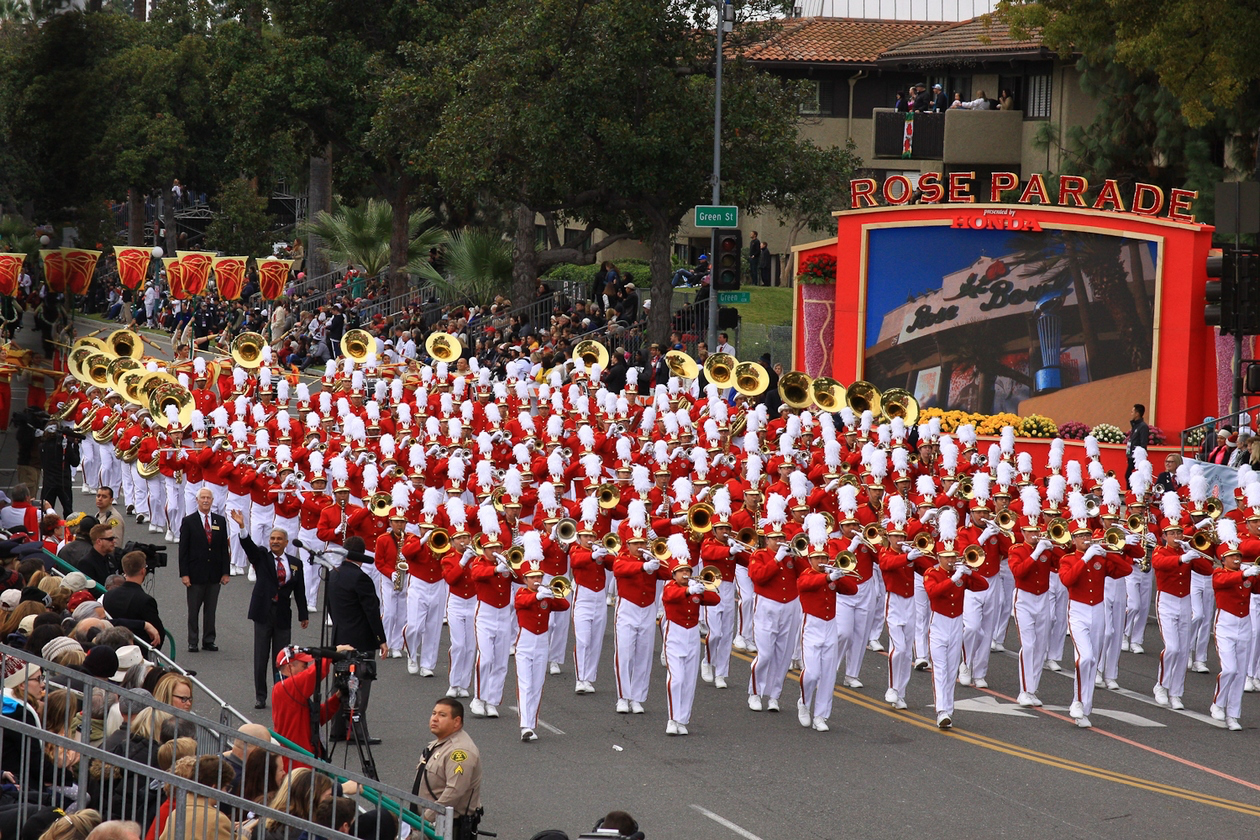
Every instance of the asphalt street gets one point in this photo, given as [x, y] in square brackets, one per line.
[1142, 771]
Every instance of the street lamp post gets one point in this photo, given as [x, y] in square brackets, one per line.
[725, 17]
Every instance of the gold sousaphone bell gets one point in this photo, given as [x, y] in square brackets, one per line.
[443, 347]
[828, 394]
[751, 379]
[357, 345]
[863, 396]
[719, 369]
[591, 353]
[125, 343]
[795, 389]
[246, 350]
[898, 402]
[164, 394]
[682, 365]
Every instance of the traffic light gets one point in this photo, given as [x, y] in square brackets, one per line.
[728, 260]
[1247, 266]
[1220, 294]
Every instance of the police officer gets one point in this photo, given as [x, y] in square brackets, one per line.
[449, 772]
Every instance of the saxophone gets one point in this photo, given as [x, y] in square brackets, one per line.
[401, 569]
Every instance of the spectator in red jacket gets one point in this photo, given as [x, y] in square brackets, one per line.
[290, 698]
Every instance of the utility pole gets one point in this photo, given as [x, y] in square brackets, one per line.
[725, 17]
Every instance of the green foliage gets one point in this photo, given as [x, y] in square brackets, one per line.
[241, 221]
[17, 236]
[359, 235]
[479, 267]
[1206, 53]
[585, 274]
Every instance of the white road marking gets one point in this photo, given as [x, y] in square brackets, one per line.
[723, 821]
[1139, 697]
[1123, 717]
[990, 705]
[541, 723]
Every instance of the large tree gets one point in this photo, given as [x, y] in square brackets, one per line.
[600, 112]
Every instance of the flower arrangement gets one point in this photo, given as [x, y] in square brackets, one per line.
[818, 270]
[1073, 430]
[950, 420]
[1107, 433]
[993, 423]
[1038, 426]
[1195, 438]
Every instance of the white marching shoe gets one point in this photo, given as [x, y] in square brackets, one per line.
[772, 704]
[453, 691]
[944, 721]
[528, 735]
[1113, 685]
[874, 645]
[1076, 710]
[706, 672]
[1082, 722]
[623, 706]
[477, 707]
[671, 728]
[426, 672]
[251, 575]
[1233, 725]
[964, 674]
[852, 682]
[1136, 648]
[1176, 703]
[802, 714]
[413, 667]
[820, 725]
[1161, 695]
[890, 696]
[739, 643]
[1053, 665]
[636, 707]
[754, 702]
[553, 668]
[719, 682]
[492, 710]
[1024, 699]
[1199, 667]
[1217, 712]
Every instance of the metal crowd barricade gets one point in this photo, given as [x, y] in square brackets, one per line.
[132, 776]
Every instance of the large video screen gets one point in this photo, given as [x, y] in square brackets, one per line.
[986, 320]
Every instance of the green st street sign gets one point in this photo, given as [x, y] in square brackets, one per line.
[709, 216]
[734, 297]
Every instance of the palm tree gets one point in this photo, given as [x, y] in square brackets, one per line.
[479, 267]
[359, 235]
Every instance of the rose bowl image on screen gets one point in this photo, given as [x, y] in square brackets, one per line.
[1008, 321]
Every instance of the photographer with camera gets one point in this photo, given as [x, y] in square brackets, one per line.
[293, 697]
[356, 614]
[130, 601]
[58, 455]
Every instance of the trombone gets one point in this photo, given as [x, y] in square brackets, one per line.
[800, 545]
[846, 564]
[710, 576]
[1005, 522]
[700, 517]
[566, 531]
[1059, 531]
[925, 542]
[973, 556]
[874, 536]
[609, 496]
[1113, 539]
[612, 543]
[561, 587]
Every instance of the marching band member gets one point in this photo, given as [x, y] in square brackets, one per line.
[897, 563]
[494, 619]
[461, 600]
[1033, 561]
[425, 591]
[1140, 583]
[1202, 604]
[637, 572]
[773, 572]
[1115, 592]
[1056, 499]
[946, 584]
[589, 561]
[853, 611]
[388, 549]
[683, 597]
[723, 552]
[820, 644]
[748, 516]
[1173, 563]
[534, 605]
[1233, 585]
[1083, 572]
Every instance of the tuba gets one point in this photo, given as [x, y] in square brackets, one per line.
[358, 345]
[796, 389]
[828, 394]
[125, 343]
[149, 468]
[898, 402]
[751, 379]
[719, 369]
[443, 347]
[591, 353]
[246, 350]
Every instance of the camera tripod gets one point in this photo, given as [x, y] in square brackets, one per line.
[356, 732]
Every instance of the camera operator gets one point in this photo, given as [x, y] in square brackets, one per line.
[58, 454]
[130, 601]
[99, 562]
[292, 697]
[449, 772]
[356, 615]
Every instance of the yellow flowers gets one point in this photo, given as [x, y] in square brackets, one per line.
[1034, 425]
[951, 420]
[1037, 426]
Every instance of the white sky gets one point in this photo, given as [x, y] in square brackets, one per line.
[897, 9]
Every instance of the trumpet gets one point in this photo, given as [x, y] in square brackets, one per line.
[1059, 531]
[566, 531]
[400, 575]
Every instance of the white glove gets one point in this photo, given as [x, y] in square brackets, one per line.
[432, 449]
[703, 494]
[913, 554]
[835, 574]
[927, 515]
[554, 528]
[855, 543]
[239, 459]
[651, 533]
[736, 548]
[544, 593]
[1151, 540]
[362, 457]
[503, 568]
[183, 454]
[1189, 556]
[781, 553]
[990, 531]
[1094, 551]
[1251, 571]
[953, 490]
[599, 552]
[956, 577]
[695, 588]
[832, 485]
[389, 469]
[214, 447]
[1132, 539]
[651, 565]
[1043, 545]
[424, 538]
[466, 557]
[1203, 523]
[966, 570]
[678, 520]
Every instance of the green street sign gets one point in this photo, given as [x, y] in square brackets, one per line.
[717, 216]
[734, 297]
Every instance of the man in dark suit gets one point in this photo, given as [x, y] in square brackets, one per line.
[130, 601]
[356, 615]
[99, 563]
[278, 578]
[203, 567]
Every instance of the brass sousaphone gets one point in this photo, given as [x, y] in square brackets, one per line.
[862, 396]
[591, 353]
[443, 347]
[125, 343]
[796, 389]
[168, 394]
[357, 345]
[828, 394]
[246, 350]
[719, 369]
[898, 402]
[751, 379]
[681, 365]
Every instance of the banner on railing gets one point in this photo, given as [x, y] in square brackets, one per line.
[80, 265]
[175, 277]
[133, 265]
[54, 269]
[229, 276]
[273, 276]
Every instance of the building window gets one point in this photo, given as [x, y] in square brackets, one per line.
[1037, 97]
[540, 237]
[812, 103]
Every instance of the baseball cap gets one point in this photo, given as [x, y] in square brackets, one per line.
[292, 654]
[936, 86]
[77, 581]
[10, 599]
